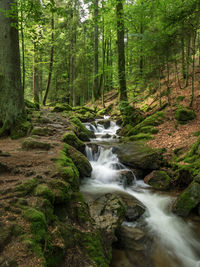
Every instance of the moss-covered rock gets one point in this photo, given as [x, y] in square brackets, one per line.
[62, 190]
[42, 131]
[106, 110]
[140, 136]
[188, 200]
[67, 170]
[80, 161]
[158, 180]
[26, 187]
[130, 115]
[44, 191]
[21, 128]
[71, 139]
[81, 131]
[30, 105]
[30, 143]
[62, 107]
[38, 224]
[138, 156]
[183, 115]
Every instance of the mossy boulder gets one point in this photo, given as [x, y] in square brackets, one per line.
[21, 128]
[44, 191]
[80, 161]
[81, 131]
[188, 200]
[139, 156]
[26, 187]
[61, 189]
[67, 170]
[62, 107]
[183, 115]
[159, 180]
[38, 224]
[42, 131]
[71, 139]
[30, 143]
[140, 136]
[30, 105]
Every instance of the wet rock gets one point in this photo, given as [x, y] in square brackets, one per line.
[106, 136]
[134, 208]
[94, 147]
[138, 156]
[108, 212]
[188, 200]
[30, 143]
[158, 180]
[126, 177]
[105, 123]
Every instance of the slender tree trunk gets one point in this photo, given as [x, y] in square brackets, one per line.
[35, 77]
[183, 57]
[11, 91]
[51, 61]
[120, 48]
[188, 62]
[23, 47]
[193, 67]
[96, 55]
[103, 61]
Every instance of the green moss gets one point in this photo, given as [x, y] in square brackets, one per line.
[183, 115]
[188, 200]
[30, 143]
[42, 131]
[71, 139]
[27, 186]
[67, 170]
[22, 128]
[38, 224]
[79, 160]
[62, 107]
[61, 189]
[93, 246]
[30, 105]
[180, 98]
[196, 133]
[140, 136]
[81, 131]
[158, 180]
[44, 191]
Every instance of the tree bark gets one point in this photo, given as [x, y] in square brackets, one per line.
[96, 55]
[35, 77]
[120, 48]
[51, 61]
[11, 91]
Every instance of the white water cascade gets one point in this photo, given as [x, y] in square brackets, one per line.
[175, 235]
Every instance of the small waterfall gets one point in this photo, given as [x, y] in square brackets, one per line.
[176, 236]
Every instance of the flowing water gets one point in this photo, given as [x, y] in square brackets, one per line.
[176, 237]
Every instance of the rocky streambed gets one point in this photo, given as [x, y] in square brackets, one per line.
[135, 219]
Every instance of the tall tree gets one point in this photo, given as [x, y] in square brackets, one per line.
[11, 91]
[120, 49]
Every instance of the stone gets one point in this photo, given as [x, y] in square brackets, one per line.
[183, 115]
[158, 180]
[138, 156]
[106, 136]
[30, 143]
[188, 200]
[42, 131]
[71, 139]
[126, 177]
[105, 123]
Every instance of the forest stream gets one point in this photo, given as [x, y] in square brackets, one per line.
[171, 240]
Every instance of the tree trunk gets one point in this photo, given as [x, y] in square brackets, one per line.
[120, 48]
[35, 77]
[193, 67]
[96, 46]
[11, 91]
[183, 57]
[103, 62]
[23, 46]
[51, 61]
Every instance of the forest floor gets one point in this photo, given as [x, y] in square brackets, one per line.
[24, 165]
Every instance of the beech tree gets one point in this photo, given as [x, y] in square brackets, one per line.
[11, 91]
